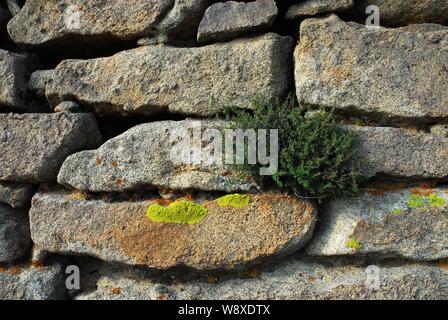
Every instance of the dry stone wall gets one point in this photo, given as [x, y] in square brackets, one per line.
[92, 92]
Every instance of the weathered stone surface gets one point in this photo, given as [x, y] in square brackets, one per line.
[143, 157]
[35, 145]
[379, 73]
[68, 106]
[401, 153]
[179, 80]
[270, 225]
[410, 223]
[403, 12]
[227, 20]
[15, 238]
[314, 7]
[13, 77]
[292, 280]
[32, 283]
[42, 24]
[17, 195]
[39, 80]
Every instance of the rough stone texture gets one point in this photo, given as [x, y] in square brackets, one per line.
[39, 80]
[142, 158]
[15, 238]
[384, 224]
[314, 7]
[42, 24]
[401, 153]
[403, 12]
[17, 195]
[68, 106]
[272, 225]
[296, 280]
[35, 145]
[152, 79]
[388, 74]
[13, 79]
[32, 283]
[227, 20]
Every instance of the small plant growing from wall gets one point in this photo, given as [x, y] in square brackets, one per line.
[316, 155]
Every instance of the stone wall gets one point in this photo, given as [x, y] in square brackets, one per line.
[90, 92]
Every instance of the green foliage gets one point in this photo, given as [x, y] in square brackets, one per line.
[316, 155]
[235, 200]
[415, 201]
[181, 211]
[353, 244]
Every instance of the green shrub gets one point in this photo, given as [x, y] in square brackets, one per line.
[316, 157]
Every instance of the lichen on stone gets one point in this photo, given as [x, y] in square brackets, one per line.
[415, 201]
[353, 244]
[396, 211]
[181, 212]
[235, 200]
[436, 201]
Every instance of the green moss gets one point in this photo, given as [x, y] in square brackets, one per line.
[415, 201]
[235, 200]
[436, 201]
[396, 211]
[353, 244]
[181, 211]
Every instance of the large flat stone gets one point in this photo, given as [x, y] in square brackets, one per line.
[178, 80]
[17, 195]
[15, 240]
[410, 223]
[403, 12]
[35, 145]
[400, 153]
[45, 24]
[26, 282]
[228, 20]
[308, 8]
[390, 75]
[271, 225]
[295, 280]
[13, 80]
[142, 158]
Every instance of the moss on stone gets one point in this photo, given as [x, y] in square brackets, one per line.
[436, 201]
[396, 211]
[353, 244]
[181, 212]
[235, 200]
[415, 201]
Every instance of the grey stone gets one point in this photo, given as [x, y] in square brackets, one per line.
[403, 12]
[68, 106]
[32, 283]
[17, 195]
[376, 73]
[13, 6]
[34, 146]
[142, 157]
[293, 280]
[315, 7]
[186, 81]
[409, 223]
[45, 24]
[228, 20]
[39, 80]
[271, 225]
[13, 79]
[15, 240]
[400, 153]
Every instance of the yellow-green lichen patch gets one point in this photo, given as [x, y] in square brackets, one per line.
[396, 211]
[415, 201]
[235, 200]
[436, 201]
[181, 212]
[353, 244]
